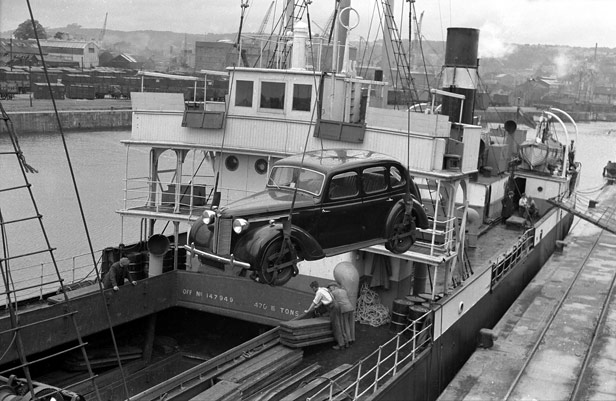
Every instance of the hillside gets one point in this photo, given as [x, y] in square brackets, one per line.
[521, 60]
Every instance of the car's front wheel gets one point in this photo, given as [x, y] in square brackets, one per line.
[402, 232]
[278, 263]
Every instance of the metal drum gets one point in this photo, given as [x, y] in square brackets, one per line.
[399, 314]
[415, 299]
[416, 312]
[136, 268]
[426, 296]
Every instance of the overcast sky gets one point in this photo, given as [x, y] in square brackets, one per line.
[553, 22]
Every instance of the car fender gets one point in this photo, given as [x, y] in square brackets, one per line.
[251, 246]
[421, 219]
[201, 235]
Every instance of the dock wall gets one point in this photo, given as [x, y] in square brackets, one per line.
[45, 121]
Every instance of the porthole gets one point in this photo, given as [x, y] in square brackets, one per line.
[261, 166]
[232, 163]
[540, 189]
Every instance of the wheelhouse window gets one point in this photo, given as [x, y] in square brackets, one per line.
[302, 97]
[343, 185]
[294, 177]
[373, 179]
[243, 93]
[272, 95]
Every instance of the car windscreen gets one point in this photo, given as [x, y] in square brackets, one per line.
[291, 177]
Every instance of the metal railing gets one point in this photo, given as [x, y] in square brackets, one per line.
[30, 282]
[374, 371]
[516, 253]
[159, 196]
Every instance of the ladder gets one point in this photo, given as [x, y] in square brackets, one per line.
[11, 293]
[280, 54]
[403, 69]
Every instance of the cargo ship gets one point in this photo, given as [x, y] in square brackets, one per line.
[478, 250]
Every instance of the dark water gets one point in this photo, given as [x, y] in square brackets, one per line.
[99, 162]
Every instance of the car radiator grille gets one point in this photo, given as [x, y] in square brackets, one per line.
[224, 229]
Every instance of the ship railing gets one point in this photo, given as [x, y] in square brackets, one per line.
[375, 370]
[439, 238]
[509, 259]
[141, 193]
[35, 281]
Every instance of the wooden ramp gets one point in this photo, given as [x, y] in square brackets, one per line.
[593, 207]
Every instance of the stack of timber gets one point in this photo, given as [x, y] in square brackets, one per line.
[305, 332]
[221, 391]
[315, 386]
[254, 374]
[285, 386]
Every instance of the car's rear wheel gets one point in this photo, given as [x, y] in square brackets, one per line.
[278, 263]
[402, 233]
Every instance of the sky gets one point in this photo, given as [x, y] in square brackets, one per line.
[501, 22]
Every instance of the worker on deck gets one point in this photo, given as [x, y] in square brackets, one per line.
[118, 272]
[527, 206]
[322, 296]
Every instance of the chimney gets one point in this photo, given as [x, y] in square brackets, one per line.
[300, 33]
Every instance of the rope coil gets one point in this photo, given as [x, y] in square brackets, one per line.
[369, 308]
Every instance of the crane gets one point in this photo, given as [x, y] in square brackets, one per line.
[265, 20]
[101, 35]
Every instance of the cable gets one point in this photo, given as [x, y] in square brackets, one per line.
[369, 309]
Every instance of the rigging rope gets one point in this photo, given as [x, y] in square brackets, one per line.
[11, 130]
[369, 309]
[85, 226]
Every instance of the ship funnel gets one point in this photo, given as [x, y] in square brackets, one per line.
[158, 245]
[460, 73]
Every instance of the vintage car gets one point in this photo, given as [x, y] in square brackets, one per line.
[317, 204]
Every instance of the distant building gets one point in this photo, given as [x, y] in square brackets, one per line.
[65, 53]
[529, 93]
[215, 55]
[124, 61]
[19, 52]
[604, 95]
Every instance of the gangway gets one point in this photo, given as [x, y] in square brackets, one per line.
[587, 207]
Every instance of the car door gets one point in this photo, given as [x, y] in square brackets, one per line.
[376, 201]
[340, 219]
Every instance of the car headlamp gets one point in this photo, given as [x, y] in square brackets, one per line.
[209, 217]
[239, 226]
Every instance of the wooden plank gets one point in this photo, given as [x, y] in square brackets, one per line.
[314, 385]
[220, 391]
[285, 386]
[302, 323]
[259, 362]
[267, 376]
[307, 343]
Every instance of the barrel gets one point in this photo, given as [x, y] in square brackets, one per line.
[415, 320]
[415, 299]
[426, 296]
[136, 268]
[399, 313]
[416, 312]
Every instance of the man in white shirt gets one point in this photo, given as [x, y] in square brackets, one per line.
[322, 296]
